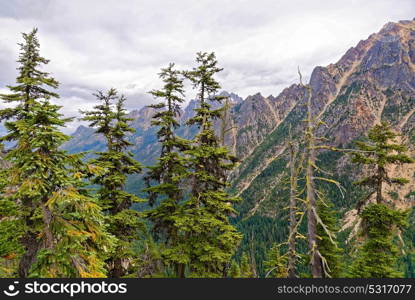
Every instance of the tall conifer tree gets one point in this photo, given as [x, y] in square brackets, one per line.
[211, 238]
[165, 179]
[381, 222]
[109, 118]
[63, 230]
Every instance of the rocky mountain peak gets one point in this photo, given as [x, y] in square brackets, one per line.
[142, 117]
[81, 130]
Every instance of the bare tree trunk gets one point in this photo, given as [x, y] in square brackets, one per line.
[317, 261]
[47, 220]
[293, 209]
[117, 270]
[381, 175]
[180, 268]
[31, 245]
[316, 270]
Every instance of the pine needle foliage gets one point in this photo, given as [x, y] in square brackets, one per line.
[31, 83]
[330, 251]
[63, 230]
[234, 270]
[109, 118]
[377, 257]
[246, 268]
[211, 238]
[379, 152]
[381, 222]
[165, 180]
[276, 264]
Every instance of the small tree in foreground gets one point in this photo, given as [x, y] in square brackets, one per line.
[276, 264]
[377, 257]
[246, 268]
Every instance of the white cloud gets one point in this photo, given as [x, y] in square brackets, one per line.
[99, 44]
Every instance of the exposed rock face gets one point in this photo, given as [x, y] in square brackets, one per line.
[144, 139]
[257, 116]
[373, 81]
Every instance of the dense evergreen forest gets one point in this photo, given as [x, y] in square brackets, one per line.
[71, 214]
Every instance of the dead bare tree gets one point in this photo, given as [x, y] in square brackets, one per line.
[318, 264]
[295, 170]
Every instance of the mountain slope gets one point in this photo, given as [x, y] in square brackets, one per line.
[373, 81]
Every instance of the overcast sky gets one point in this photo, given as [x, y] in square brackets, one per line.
[98, 44]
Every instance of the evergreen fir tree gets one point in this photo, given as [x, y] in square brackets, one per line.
[246, 268]
[234, 270]
[211, 239]
[31, 83]
[381, 151]
[63, 230]
[276, 264]
[330, 251]
[118, 163]
[165, 179]
[377, 257]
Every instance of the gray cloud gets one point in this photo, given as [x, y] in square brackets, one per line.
[98, 44]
